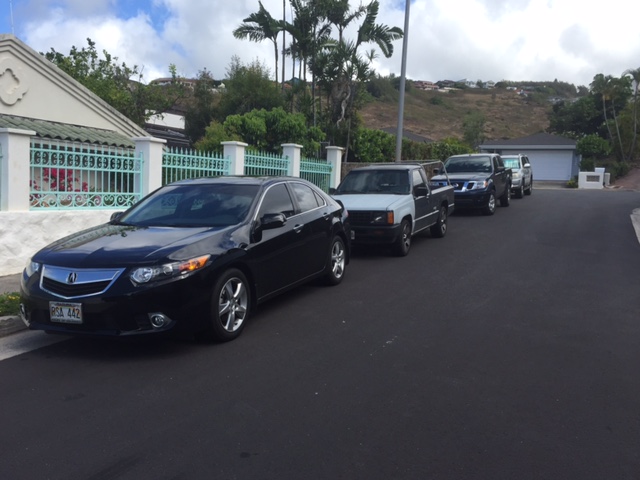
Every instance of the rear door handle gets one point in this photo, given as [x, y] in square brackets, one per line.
[298, 228]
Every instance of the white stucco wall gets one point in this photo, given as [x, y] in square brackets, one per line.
[24, 233]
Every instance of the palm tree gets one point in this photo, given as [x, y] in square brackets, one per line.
[261, 26]
[635, 76]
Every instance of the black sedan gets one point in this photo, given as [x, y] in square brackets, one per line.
[194, 255]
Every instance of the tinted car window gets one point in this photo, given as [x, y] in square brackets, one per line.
[306, 198]
[417, 178]
[468, 164]
[277, 200]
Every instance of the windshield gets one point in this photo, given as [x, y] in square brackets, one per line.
[375, 181]
[215, 205]
[511, 162]
[479, 164]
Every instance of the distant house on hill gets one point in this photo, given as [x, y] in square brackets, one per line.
[552, 157]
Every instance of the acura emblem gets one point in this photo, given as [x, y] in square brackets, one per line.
[73, 276]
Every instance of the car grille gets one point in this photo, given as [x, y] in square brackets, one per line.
[74, 283]
[362, 218]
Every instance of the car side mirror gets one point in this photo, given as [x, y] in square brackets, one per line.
[421, 191]
[527, 165]
[269, 221]
[115, 216]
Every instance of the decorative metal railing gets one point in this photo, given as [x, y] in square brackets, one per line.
[180, 164]
[317, 172]
[260, 163]
[83, 176]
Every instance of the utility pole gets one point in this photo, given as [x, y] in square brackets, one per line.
[403, 74]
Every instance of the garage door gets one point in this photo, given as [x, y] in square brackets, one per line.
[551, 165]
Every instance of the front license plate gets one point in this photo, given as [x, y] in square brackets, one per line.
[62, 312]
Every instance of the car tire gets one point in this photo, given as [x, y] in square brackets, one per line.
[520, 192]
[403, 242]
[505, 199]
[529, 190]
[490, 207]
[337, 262]
[230, 306]
[439, 229]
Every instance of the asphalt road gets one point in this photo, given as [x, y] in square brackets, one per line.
[507, 350]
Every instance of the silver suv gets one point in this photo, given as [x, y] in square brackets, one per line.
[522, 179]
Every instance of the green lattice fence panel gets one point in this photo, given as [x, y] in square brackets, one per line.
[259, 164]
[69, 175]
[180, 164]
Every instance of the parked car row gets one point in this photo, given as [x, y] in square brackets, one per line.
[199, 255]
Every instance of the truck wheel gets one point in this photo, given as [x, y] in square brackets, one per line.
[520, 192]
[505, 199]
[439, 229]
[529, 190]
[490, 207]
[403, 243]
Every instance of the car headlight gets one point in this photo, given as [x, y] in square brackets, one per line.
[32, 267]
[517, 175]
[479, 185]
[163, 272]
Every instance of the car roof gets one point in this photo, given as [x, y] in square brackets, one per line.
[472, 155]
[387, 166]
[237, 180]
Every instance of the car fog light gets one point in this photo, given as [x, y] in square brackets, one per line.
[158, 320]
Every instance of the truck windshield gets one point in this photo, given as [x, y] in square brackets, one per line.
[468, 164]
[375, 181]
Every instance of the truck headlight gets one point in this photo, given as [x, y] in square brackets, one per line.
[382, 218]
[479, 185]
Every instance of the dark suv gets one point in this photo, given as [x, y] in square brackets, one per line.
[479, 179]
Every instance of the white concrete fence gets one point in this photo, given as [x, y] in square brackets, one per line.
[23, 231]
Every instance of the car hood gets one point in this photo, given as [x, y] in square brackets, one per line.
[368, 201]
[122, 245]
[470, 176]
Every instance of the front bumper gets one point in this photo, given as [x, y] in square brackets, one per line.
[375, 235]
[123, 309]
[472, 199]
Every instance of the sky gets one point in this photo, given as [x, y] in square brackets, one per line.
[488, 40]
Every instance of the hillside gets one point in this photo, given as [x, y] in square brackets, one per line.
[438, 115]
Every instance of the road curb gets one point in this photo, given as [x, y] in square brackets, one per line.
[9, 325]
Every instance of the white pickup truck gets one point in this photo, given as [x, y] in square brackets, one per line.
[390, 203]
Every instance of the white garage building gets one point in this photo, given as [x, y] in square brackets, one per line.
[552, 157]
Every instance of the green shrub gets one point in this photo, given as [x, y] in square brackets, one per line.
[9, 304]
[573, 183]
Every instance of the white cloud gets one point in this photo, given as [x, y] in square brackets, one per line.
[568, 40]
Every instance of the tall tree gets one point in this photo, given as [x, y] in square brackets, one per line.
[635, 76]
[260, 26]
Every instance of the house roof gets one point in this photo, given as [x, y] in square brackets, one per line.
[537, 141]
[63, 131]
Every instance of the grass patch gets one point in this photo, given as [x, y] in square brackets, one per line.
[9, 304]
